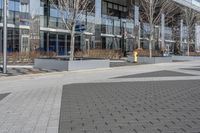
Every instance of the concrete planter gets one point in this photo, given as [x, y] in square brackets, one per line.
[62, 65]
[130, 59]
[153, 60]
[185, 58]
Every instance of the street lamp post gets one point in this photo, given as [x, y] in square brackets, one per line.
[5, 37]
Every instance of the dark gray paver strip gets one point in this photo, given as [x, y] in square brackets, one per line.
[24, 71]
[132, 107]
[2, 96]
[193, 69]
[120, 64]
[163, 73]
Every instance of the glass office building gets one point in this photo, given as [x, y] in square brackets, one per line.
[111, 25]
[195, 4]
[18, 25]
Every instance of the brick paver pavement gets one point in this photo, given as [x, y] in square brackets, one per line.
[131, 107]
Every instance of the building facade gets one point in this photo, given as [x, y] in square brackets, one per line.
[18, 25]
[110, 26]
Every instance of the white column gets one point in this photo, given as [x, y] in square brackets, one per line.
[5, 4]
[197, 38]
[1, 44]
[162, 31]
[98, 4]
[137, 24]
[181, 36]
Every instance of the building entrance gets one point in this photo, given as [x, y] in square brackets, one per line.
[25, 43]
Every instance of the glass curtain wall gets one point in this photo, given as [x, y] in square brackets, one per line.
[13, 39]
[50, 18]
[61, 44]
[44, 13]
[14, 12]
[53, 19]
[24, 12]
[52, 42]
[114, 16]
[18, 14]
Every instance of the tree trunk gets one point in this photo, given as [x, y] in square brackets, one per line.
[151, 40]
[188, 46]
[188, 42]
[72, 43]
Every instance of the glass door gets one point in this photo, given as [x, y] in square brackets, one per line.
[87, 44]
[25, 44]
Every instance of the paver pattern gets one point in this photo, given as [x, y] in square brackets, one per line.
[163, 73]
[23, 71]
[131, 107]
[193, 69]
[120, 64]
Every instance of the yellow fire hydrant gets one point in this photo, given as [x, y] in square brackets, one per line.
[135, 54]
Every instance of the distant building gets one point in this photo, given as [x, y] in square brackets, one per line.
[105, 28]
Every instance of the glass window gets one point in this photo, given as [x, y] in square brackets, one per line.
[17, 18]
[52, 42]
[25, 32]
[61, 24]
[17, 6]
[24, 7]
[61, 45]
[125, 9]
[117, 28]
[1, 17]
[1, 4]
[52, 22]
[11, 5]
[110, 5]
[116, 7]
[120, 8]
[104, 8]
[11, 17]
[16, 39]
[10, 40]
[53, 12]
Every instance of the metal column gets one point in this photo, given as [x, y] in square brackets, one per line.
[48, 42]
[181, 36]
[66, 44]
[137, 24]
[5, 37]
[57, 44]
[98, 42]
[162, 31]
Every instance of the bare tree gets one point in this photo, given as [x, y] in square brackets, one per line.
[72, 12]
[190, 18]
[34, 29]
[152, 11]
